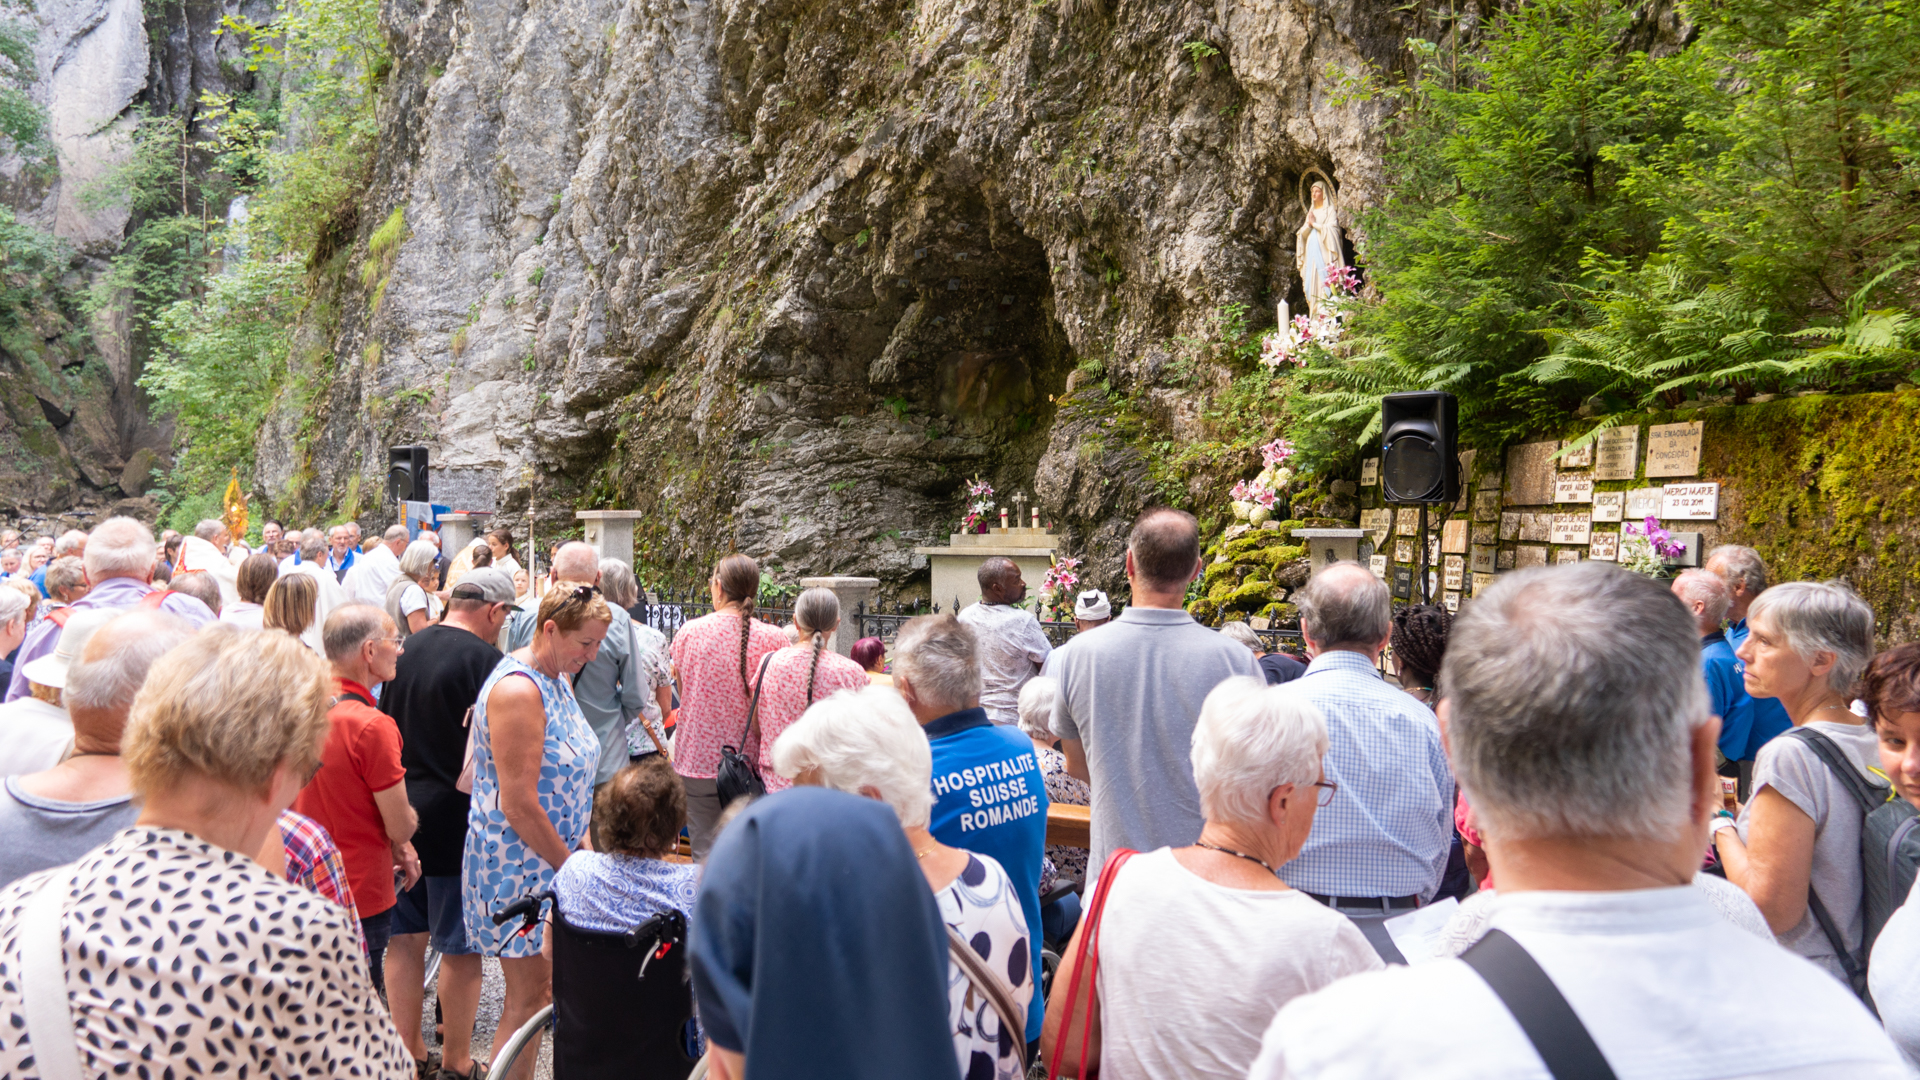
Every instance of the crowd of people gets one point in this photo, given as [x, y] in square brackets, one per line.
[246, 791]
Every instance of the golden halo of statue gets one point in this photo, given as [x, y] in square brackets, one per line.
[1306, 199]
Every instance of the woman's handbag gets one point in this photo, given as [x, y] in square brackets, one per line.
[994, 988]
[737, 776]
[1086, 966]
[467, 764]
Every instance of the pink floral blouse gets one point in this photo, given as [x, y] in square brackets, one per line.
[713, 698]
[784, 696]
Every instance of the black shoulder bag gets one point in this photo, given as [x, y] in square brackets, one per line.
[737, 775]
[1544, 1016]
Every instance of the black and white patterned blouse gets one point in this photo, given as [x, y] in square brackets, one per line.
[184, 959]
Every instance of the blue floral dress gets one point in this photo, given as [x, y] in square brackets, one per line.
[499, 867]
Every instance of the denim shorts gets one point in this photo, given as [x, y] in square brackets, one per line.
[432, 907]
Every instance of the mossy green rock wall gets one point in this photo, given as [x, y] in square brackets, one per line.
[1825, 487]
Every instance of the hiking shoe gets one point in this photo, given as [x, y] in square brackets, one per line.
[476, 1071]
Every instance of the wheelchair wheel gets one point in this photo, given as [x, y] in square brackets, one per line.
[1049, 963]
[508, 1052]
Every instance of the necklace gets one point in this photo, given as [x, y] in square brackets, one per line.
[1235, 854]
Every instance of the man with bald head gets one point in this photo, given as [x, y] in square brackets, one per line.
[611, 688]
[1380, 846]
[1012, 647]
[1707, 597]
[119, 562]
[1131, 693]
[53, 817]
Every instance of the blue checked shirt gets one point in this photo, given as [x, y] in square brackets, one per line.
[1390, 824]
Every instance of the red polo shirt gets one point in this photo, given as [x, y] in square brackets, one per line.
[362, 756]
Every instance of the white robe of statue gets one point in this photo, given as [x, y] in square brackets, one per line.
[1317, 247]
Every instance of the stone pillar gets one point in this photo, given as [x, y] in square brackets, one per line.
[458, 530]
[852, 591]
[611, 532]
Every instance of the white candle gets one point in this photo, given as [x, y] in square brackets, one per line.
[1003, 517]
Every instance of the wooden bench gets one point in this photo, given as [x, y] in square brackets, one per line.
[1069, 825]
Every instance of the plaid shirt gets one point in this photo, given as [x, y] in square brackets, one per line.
[1390, 824]
[314, 863]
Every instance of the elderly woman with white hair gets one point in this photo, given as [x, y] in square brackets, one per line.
[1795, 846]
[410, 600]
[1199, 946]
[867, 742]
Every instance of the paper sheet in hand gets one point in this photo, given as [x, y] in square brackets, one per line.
[1417, 933]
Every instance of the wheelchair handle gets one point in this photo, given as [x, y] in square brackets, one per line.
[527, 907]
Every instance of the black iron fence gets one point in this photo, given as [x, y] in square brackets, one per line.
[670, 609]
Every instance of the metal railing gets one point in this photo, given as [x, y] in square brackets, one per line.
[670, 609]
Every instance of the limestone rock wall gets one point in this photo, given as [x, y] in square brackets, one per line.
[76, 439]
[786, 273]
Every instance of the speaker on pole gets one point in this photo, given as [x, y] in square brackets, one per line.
[407, 474]
[1420, 447]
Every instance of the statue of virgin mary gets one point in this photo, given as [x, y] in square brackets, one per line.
[1317, 246]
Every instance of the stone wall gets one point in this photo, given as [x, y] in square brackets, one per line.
[1824, 487]
[784, 275]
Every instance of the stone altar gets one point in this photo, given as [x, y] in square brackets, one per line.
[956, 567]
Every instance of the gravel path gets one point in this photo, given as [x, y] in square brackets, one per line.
[493, 996]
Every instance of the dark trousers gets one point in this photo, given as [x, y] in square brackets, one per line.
[378, 930]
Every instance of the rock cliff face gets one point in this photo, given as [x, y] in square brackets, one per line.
[785, 273]
[75, 434]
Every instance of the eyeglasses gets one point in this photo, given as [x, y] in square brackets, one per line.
[1324, 796]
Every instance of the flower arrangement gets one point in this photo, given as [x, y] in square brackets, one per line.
[1057, 589]
[1645, 547]
[1253, 500]
[1289, 344]
[980, 506]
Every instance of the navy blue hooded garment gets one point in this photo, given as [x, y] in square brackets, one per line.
[818, 950]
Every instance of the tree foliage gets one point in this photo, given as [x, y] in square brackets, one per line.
[216, 365]
[1574, 225]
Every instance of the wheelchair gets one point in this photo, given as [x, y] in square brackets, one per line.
[621, 1002]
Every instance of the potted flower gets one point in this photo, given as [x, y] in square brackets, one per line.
[980, 506]
[1645, 547]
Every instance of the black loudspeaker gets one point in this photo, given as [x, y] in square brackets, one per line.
[1420, 447]
[407, 473]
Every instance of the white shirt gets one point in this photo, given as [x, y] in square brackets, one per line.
[1666, 987]
[197, 555]
[1191, 972]
[330, 596]
[242, 614]
[1894, 977]
[371, 574]
[1012, 648]
[34, 736]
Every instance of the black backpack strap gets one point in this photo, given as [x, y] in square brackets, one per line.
[1557, 1034]
[338, 698]
[1864, 792]
[1870, 797]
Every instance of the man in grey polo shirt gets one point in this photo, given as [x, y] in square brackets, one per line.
[1130, 695]
[610, 688]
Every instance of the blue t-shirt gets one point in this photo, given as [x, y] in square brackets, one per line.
[989, 798]
[40, 579]
[1728, 691]
[1769, 716]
